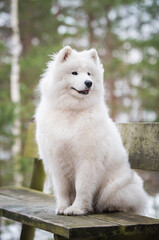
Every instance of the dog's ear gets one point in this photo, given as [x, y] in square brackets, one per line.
[65, 53]
[94, 55]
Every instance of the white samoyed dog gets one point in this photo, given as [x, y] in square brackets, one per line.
[79, 144]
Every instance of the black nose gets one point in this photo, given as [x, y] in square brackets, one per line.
[88, 83]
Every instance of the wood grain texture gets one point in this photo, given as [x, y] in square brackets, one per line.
[142, 143]
[38, 210]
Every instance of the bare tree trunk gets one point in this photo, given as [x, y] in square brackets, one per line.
[14, 80]
[109, 59]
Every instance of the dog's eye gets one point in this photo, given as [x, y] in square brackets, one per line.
[88, 74]
[75, 73]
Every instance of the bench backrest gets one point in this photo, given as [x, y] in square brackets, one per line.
[140, 139]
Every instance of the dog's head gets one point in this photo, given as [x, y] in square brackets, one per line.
[74, 76]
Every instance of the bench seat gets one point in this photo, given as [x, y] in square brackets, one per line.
[37, 209]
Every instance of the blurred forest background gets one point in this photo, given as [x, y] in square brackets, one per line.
[126, 36]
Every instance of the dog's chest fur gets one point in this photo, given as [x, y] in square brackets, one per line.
[73, 137]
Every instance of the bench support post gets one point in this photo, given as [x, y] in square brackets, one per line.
[37, 183]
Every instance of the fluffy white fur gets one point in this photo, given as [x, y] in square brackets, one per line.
[80, 146]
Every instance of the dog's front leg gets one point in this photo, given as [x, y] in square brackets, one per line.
[85, 187]
[62, 193]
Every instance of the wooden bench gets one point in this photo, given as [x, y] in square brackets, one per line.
[35, 209]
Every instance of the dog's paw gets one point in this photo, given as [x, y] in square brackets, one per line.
[75, 211]
[60, 210]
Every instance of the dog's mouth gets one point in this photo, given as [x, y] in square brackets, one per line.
[85, 92]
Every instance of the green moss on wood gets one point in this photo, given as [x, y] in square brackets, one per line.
[142, 143]
[36, 209]
[31, 149]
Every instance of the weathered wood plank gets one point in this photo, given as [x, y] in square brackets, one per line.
[132, 224]
[142, 142]
[38, 210]
[126, 219]
[118, 237]
[27, 195]
[140, 139]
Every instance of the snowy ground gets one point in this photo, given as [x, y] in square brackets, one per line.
[12, 231]
[153, 206]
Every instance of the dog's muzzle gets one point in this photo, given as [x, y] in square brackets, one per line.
[88, 84]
